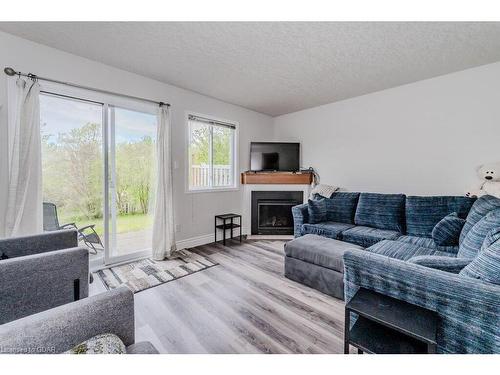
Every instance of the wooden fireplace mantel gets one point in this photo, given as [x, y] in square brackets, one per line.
[282, 178]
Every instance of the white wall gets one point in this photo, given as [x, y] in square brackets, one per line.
[423, 138]
[194, 212]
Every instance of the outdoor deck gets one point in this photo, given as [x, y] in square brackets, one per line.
[127, 243]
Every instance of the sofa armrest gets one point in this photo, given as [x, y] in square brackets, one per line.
[300, 216]
[60, 329]
[40, 243]
[469, 309]
[35, 283]
[447, 264]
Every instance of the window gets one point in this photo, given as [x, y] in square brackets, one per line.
[211, 153]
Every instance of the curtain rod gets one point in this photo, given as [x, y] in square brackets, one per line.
[210, 121]
[11, 72]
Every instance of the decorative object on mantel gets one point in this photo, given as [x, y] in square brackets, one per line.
[284, 178]
[490, 181]
[315, 175]
[324, 190]
[147, 273]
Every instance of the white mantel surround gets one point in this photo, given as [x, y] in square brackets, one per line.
[247, 198]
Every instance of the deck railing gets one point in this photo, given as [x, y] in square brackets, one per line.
[200, 176]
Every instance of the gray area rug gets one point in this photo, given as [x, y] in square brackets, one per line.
[146, 273]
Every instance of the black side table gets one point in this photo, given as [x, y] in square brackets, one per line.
[389, 326]
[227, 223]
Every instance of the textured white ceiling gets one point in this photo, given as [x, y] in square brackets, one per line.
[278, 67]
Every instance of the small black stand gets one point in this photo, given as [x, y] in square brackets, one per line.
[388, 326]
[225, 225]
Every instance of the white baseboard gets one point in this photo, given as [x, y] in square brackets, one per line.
[281, 237]
[195, 241]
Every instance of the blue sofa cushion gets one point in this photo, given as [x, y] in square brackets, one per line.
[403, 251]
[471, 245]
[428, 243]
[486, 266]
[341, 207]
[479, 209]
[382, 211]
[447, 231]
[328, 229]
[366, 236]
[423, 213]
[316, 209]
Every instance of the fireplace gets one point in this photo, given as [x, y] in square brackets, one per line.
[272, 211]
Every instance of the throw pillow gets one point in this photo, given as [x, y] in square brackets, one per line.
[481, 207]
[447, 231]
[341, 207]
[443, 263]
[381, 211]
[107, 343]
[316, 210]
[486, 266]
[471, 245]
[492, 237]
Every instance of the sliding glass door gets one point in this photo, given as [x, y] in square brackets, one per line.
[132, 140]
[98, 165]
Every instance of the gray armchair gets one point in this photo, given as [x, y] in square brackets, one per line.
[41, 272]
[62, 328]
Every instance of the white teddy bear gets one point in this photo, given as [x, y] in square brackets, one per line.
[490, 181]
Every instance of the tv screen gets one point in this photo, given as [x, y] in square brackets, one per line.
[274, 156]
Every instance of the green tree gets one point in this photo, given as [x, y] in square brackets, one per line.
[200, 145]
[135, 170]
[72, 170]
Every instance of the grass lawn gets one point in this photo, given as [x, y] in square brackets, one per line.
[124, 223]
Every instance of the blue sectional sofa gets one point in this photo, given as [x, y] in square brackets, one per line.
[365, 219]
[397, 255]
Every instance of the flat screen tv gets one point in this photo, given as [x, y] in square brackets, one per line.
[274, 156]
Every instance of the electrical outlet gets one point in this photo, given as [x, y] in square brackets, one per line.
[177, 228]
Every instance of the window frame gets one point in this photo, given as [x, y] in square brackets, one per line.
[235, 152]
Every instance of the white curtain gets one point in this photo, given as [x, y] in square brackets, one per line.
[23, 214]
[163, 225]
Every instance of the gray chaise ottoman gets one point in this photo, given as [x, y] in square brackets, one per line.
[317, 262]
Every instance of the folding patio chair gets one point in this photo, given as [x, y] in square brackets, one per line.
[87, 234]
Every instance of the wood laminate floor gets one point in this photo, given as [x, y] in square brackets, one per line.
[243, 305]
